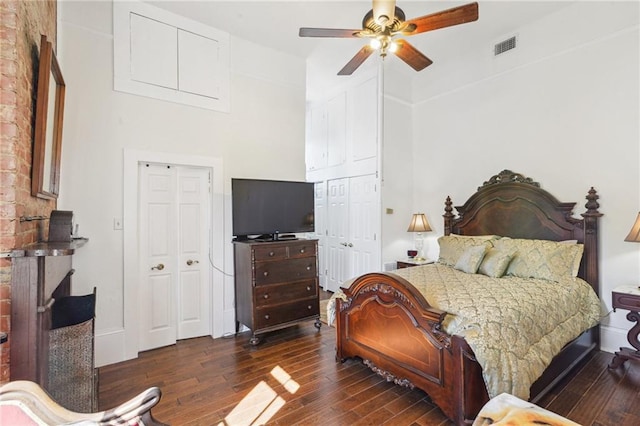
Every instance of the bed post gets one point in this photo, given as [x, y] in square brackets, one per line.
[591, 217]
[448, 216]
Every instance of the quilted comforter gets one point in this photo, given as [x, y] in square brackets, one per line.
[515, 326]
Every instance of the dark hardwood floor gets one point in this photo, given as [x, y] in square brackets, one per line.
[292, 378]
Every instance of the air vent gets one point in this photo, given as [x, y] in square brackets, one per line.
[504, 46]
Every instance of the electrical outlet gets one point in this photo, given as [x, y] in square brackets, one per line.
[117, 224]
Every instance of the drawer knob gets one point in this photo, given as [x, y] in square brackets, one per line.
[309, 307]
[308, 267]
[301, 250]
[308, 288]
[267, 317]
[266, 296]
[265, 273]
[271, 254]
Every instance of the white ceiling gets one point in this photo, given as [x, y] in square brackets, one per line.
[275, 24]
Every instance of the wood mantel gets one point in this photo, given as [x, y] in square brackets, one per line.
[40, 273]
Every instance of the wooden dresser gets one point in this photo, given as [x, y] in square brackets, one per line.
[276, 284]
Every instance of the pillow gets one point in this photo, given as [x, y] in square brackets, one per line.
[471, 258]
[495, 262]
[477, 237]
[548, 260]
[452, 247]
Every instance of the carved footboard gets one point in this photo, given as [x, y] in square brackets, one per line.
[389, 324]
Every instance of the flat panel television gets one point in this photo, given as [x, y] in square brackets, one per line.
[268, 208]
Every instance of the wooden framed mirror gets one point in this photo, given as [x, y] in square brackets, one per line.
[47, 138]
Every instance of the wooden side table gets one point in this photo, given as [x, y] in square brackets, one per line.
[408, 263]
[627, 297]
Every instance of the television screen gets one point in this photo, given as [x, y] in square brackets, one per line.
[271, 207]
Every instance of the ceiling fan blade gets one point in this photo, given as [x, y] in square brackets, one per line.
[445, 18]
[384, 11]
[327, 32]
[412, 56]
[357, 60]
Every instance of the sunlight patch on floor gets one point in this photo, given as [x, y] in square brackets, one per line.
[262, 402]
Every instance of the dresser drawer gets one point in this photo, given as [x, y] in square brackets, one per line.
[630, 302]
[283, 293]
[274, 315]
[302, 249]
[268, 252]
[288, 270]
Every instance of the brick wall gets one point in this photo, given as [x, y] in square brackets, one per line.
[21, 24]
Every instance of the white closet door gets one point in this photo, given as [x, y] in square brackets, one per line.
[193, 245]
[337, 227]
[320, 221]
[174, 245]
[353, 222]
[157, 256]
[364, 219]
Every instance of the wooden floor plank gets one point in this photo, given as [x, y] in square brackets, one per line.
[624, 399]
[208, 381]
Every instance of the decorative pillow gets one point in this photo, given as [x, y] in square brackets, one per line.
[549, 260]
[478, 237]
[452, 247]
[568, 242]
[495, 262]
[471, 259]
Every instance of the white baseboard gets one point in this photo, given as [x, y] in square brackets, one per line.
[612, 339]
[229, 322]
[110, 347]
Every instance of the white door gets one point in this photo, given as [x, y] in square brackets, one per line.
[364, 219]
[193, 253]
[320, 222]
[353, 220]
[337, 228]
[174, 244]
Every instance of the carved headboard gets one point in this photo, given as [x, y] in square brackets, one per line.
[511, 205]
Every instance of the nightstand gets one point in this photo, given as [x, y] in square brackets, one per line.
[627, 297]
[408, 263]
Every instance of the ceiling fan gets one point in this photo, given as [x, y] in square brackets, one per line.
[385, 22]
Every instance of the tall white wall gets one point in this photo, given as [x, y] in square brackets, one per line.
[262, 137]
[563, 108]
[398, 184]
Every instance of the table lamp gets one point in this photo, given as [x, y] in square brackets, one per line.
[419, 225]
[634, 234]
[628, 297]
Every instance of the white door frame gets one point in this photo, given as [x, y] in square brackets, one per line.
[130, 227]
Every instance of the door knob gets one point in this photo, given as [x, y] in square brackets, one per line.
[159, 267]
[191, 262]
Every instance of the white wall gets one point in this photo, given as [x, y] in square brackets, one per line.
[398, 182]
[563, 109]
[262, 137]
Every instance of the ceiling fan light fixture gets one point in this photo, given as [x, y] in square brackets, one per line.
[384, 22]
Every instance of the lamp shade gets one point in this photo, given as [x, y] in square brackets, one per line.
[634, 235]
[419, 223]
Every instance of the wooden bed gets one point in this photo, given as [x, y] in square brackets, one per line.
[444, 366]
